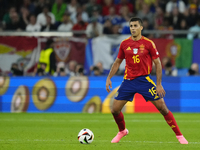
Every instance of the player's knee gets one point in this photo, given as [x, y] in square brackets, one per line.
[115, 112]
[161, 106]
[163, 110]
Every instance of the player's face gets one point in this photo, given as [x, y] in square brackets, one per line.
[135, 28]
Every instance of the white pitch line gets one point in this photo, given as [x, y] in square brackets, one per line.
[50, 140]
[156, 142]
[79, 120]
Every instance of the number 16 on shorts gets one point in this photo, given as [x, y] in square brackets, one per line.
[153, 92]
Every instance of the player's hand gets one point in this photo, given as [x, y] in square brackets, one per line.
[160, 91]
[108, 84]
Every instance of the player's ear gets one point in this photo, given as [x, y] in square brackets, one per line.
[141, 27]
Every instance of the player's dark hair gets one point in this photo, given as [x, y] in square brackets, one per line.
[136, 19]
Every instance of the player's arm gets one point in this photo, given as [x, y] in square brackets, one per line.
[112, 72]
[159, 88]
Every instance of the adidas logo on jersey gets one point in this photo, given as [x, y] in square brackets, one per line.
[128, 48]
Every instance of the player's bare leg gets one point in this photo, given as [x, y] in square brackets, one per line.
[119, 119]
[161, 106]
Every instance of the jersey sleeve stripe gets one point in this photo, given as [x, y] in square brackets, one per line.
[154, 46]
[125, 74]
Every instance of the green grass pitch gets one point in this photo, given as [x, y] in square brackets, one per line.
[58, 131]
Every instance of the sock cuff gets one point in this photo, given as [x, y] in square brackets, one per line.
[169, 113]
[118, 114]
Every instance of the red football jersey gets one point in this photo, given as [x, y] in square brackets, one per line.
[138, 55]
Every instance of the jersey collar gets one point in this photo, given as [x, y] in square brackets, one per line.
[139, 39]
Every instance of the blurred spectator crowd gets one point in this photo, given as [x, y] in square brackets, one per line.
[92, 18]
[98, 17]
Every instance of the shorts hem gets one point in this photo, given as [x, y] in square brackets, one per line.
[123, 99]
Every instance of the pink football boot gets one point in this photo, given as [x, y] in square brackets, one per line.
[182, 139]
[119, 135]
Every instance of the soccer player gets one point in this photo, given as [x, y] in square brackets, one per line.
[139, 52]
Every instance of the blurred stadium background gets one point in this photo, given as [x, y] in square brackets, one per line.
[86, 35]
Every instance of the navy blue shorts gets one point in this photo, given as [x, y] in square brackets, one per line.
[143, 85]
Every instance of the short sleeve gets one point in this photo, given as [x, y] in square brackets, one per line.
[153, 51]
[121, 53]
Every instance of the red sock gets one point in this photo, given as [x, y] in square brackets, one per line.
[172, 123]
[119, 119]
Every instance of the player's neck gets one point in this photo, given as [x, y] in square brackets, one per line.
[136, 38]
